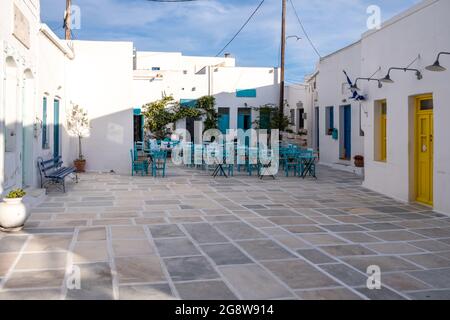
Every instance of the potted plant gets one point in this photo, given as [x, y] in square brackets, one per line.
[13, 212]
[78, 126]
[359, 161]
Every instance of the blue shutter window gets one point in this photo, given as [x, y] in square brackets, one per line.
[188, 103]
[44, 124]
[246, 93]
[329, 120]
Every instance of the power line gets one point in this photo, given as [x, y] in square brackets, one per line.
[304, 30]
[173, 0]
[242, 28]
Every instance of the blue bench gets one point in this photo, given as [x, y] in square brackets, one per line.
[52, 172]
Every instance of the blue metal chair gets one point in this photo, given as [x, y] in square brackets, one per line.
[159, 159]
[292, 161]
[307, 156]
[138, 165]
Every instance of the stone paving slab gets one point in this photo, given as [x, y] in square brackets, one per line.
[189, 236]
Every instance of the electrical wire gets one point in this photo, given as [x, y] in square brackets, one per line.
[304, 30]
[242, 28]
[173, 0]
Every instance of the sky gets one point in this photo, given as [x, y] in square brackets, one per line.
[203, 27]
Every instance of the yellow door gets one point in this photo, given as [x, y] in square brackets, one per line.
[424, 149]
[383, 131]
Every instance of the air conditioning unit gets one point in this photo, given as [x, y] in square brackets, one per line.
[305, 116]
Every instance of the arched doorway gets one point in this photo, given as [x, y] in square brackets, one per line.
[28, 113]
[11, 165]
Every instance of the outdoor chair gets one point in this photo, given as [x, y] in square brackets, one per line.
[292, 161]
[138, 165]
[159, 160]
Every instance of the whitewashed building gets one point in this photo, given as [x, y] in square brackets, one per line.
[400, 127]
[239, 91]
[42, 76]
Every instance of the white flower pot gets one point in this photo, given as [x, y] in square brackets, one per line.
[13, 214]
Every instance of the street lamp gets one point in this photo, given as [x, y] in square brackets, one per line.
[388, 79]
[436, 66]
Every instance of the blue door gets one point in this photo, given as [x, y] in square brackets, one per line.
[348, 132]
[224, 123]
[241, 121]
[317, 129]
[56, 129]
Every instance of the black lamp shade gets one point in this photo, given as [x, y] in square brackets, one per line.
[436, 67]
[387, 79]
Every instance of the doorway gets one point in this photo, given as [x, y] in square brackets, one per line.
[346, 129]
[224, 120]
[244, 119]
[317, 133]
[56, 129]
[424, 149]
[138, 125]
[27, 130]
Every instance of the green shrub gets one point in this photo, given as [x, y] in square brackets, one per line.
[15, 194]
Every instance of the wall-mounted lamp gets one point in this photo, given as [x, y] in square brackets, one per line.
[388, 79]
[436, 66]
[355, 85]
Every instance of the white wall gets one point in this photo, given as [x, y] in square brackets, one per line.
[297, 94]
[333, 91]
[422, 30]
[186, 77]
[17, 73]
[101, 77]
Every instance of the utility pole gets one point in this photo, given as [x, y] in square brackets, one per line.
[283, 52]
[67, 20]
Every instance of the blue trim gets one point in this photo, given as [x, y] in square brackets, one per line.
[348, 131]
[246, 93]
[44, 124]
[188, 103]
[56, 127]
[137, 111]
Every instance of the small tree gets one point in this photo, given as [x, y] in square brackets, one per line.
[208, 105]
[78, 126]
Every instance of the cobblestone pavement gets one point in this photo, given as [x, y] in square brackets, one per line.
[190, 236]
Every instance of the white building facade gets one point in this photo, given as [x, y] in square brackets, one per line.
[400, 128]
[238, 91]
[43, 76]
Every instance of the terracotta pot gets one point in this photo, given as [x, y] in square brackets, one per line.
[13, 215]
[80, 165]
[359, 162]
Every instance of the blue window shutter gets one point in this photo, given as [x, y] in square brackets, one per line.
[332, 118]
[44, 123]
[246, 93]
[188, 103]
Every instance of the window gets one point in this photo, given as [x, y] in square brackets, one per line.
[292, 122]
[301, 118]
[329, 120]
[44, 124]
[156, 68]
[383, 131]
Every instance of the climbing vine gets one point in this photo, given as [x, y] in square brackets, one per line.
[159, 114]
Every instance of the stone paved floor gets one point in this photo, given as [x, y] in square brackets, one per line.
[192, 237]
